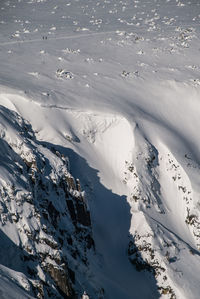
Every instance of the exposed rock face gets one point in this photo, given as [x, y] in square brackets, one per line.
[61, 278]
[44, 211]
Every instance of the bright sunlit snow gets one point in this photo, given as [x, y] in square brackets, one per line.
[114, 86]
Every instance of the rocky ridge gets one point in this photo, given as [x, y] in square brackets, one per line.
[43, 211]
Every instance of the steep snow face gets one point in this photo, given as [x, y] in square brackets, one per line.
[110, 140]
[114, 87]
[163, 226]
[9, 288]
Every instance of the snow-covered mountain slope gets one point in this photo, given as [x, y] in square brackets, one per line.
[99, 162]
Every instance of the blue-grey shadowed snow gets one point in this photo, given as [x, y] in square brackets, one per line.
[10, 254]
[111, 218]
[11, 257]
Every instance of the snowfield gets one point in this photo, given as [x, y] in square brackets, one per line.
[99, 113]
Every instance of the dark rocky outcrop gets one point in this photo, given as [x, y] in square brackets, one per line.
[51, 216]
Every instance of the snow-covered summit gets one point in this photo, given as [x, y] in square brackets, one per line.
[99, 161]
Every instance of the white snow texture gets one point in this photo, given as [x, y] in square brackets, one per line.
[106, 92]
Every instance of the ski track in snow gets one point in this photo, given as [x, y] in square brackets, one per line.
[83, 35]
[75, 36]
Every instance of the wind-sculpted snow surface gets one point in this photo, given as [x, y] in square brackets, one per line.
[100, 96]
